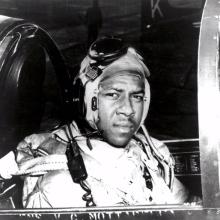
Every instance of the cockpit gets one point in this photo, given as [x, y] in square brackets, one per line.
[40, 52]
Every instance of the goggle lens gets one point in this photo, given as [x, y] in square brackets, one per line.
[107, 49]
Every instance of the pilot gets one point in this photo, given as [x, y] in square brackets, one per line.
[105, 157]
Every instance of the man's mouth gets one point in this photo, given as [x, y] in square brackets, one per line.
[124, 127]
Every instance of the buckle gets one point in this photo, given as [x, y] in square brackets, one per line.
[93, 72]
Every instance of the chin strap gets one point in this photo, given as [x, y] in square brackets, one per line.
[168, 173]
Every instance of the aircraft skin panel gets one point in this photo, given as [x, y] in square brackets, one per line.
[209, 103]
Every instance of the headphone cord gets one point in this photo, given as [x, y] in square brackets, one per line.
[88, 195]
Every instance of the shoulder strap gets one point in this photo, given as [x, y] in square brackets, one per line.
[167, 163]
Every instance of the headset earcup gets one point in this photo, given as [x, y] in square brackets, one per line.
[94, 104]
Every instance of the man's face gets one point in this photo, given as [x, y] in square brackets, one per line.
[120, 106]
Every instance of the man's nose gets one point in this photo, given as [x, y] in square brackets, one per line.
[126, 107]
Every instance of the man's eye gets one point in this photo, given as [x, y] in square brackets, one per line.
[112, 95]
[138, 98]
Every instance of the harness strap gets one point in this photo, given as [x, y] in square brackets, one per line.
[168, 173]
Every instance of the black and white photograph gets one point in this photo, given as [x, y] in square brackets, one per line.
[110, 109]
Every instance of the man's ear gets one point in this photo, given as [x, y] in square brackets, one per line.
[94, 103]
